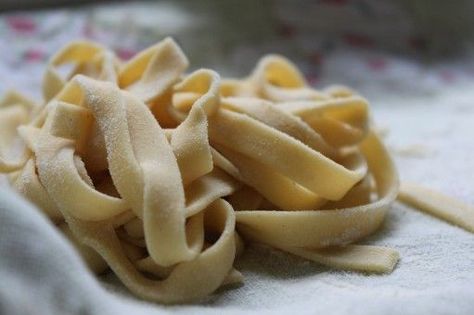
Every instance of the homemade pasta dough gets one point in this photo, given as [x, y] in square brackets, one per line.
[163, 176]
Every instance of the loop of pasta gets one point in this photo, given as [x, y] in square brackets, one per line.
[161, 173]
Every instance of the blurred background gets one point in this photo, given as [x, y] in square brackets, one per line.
[386, 49]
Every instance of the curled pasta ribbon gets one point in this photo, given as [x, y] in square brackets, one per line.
[162, 176]
[86, 58]
[15, 110]
[323, 175]
[145, 172]
[276, 79]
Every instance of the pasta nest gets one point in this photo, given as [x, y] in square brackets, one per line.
[162, 175]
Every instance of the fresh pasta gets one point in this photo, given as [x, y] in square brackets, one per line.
[162, 176]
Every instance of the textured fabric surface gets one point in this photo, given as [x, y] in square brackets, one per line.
[427, 112]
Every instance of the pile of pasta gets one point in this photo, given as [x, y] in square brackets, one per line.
[163, 176]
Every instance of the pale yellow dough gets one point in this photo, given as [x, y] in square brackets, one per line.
[163, 174]
[438, 204]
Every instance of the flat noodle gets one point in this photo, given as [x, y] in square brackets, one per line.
[267, 156]
[374, 259]
[15, 110]
[87, 57]
[438, 205]
[319, 229]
